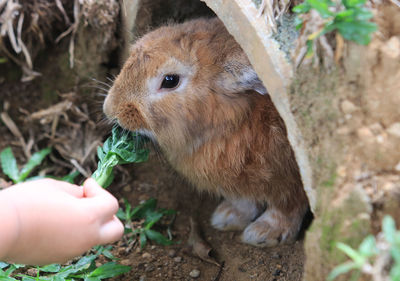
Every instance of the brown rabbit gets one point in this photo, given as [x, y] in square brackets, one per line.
[191, 89]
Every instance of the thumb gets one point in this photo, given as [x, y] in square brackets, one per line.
[98, 198]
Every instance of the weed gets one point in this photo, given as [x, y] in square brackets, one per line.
[349, 17]
[140, 220]
[373, 256]
[83, 269]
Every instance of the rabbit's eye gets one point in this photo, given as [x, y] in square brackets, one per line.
[170, 81]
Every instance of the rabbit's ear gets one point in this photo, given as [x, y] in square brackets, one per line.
[239, 77]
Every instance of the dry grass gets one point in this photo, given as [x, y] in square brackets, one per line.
[26, 27]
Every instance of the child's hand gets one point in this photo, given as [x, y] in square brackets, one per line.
[47, 221]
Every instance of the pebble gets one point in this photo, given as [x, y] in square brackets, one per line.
[31, 272]
[392, 47]
[146, 255]
[172, 253]
[142, 278]
[178, 259]
[150, 268]
[376, 128]
[276, 256]
[397, 168]
[348, 107]
[394, 129]
[195, 273]
[125, 262]
[365, 133]
[127, 188]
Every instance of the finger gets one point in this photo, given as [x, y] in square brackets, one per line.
[99, 200]
[72, 189]
[111, 231]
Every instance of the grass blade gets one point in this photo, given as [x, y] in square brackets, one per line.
[9, 164]
[35, 160]
[108, 270]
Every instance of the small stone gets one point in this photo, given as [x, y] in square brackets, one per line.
[150, 268]
[277, 272]
[127, 188]
[178, 259]
[394, 129]
[278, 266]
[125, 262]
[172, 253]
[341, 171]
[348, 107]
[32, 272]
[376, 128]
[365, 133]
[142, 278]
[195, 273]
[392, 47]
[146, 255]
[397, 168]
[343, 130]
[276, 256]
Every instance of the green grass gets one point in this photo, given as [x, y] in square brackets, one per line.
[148, 214]
[363, 258]
[83, 269]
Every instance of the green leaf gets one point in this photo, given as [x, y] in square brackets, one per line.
[142, 240]
[367, 247]
[71, 177]
[157, 237]
[298, 23]
[9, 164]
[357, 31]
[151, 218]
[302, 8]
[109, 270]
[3, 265]
[140, 211]
[395, 272]
[50, 268]
[353, 254]
[34, 161]
[353, 3]
[321, 6]
[389, 229]
[121, 214]
[341, 269]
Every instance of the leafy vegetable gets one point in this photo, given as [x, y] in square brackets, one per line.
[120, 148]
[10, 168]
[149, 215]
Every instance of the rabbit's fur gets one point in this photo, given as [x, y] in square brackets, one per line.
[218, 128]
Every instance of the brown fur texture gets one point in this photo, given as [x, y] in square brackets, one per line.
[215, 129]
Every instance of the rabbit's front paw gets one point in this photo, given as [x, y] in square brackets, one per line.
[271, 228]
[234, 214]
